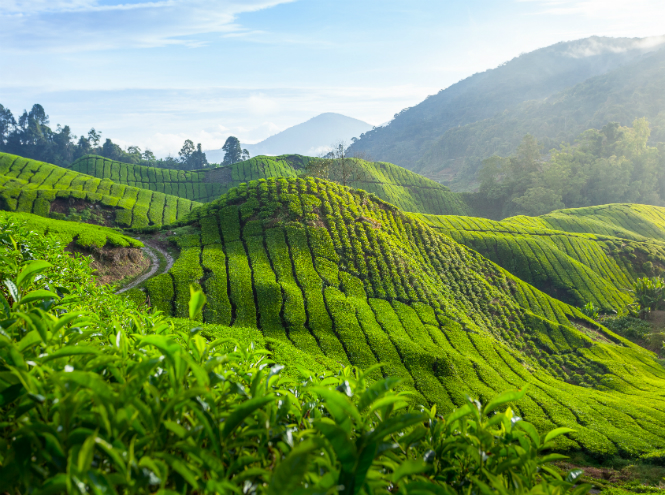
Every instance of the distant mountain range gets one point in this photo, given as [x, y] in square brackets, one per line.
[553, 93]
[309, 138]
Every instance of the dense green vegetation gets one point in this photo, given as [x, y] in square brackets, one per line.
[341, 274]
[81, 234]
[48, 190]
[578, 256]
[97, 397]
[613, 165]
[407, 190]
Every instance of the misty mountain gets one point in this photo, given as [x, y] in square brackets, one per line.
[633, 91]
[535, 76]
[309, 138]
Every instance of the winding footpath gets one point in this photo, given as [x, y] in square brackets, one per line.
[154, 266]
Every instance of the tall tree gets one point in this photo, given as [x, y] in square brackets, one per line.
[232, 151]
[7, 124]
[337, 166]
[112, 150]
[186, 151]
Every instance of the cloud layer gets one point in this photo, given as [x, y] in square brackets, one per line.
[88, 25]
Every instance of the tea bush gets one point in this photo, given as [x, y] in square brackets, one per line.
[340, 274]
[401, 187]
[30, 186]
[124, 403]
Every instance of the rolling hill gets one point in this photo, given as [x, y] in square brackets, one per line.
[343, 275]
[577, 256]
[309, 138]
[453, 305]
[554, 93]
[394, 184]
[44, 189]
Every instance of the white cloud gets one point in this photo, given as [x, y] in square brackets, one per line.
[83, 25]
[260, 104]
[618, 17]
[595, 46]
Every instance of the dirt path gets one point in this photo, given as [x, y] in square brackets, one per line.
[149, 250]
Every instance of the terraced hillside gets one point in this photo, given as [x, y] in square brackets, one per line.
[81, 234]
[346, 276]
[578, 255]
[44, 189]
[405, 189]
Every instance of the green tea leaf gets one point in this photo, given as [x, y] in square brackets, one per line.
[503, 398]
[344, 448]
[240, 412]
[409, 468]
[288, 475]
[33, 268]
[377, 390]
[573, 475]
[70, 351]
[38, 295]
[13, 290]
[197, 300]
[556, 432]
[340, 407]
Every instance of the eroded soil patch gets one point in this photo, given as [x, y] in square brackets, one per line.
[114, 264]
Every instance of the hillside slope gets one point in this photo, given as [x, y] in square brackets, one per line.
[44, 189]
[622, 95]
[409, 191]
[577, 255]
[343, 275]
[413, 139]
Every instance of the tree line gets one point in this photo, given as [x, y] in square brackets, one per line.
[611, 165]
[31, 136]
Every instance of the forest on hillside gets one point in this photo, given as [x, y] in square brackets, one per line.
[549, 93]
[615, 164]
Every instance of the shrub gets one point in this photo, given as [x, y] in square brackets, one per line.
[590, 310]
[649, 294]
[128, 405]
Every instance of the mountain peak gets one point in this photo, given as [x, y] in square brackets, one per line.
[311, 137]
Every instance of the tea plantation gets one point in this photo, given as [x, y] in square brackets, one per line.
[345, 276]
[401, 187]
[34, 187]
[578, 255]
[81, 234]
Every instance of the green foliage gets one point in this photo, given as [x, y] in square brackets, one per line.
[129, 404]
[81, 234]
[613, 165]
[33, 187]
[98, 397]
[649, 294]
[345, 277]
[628, 326]
[391, 183]
[590, 311]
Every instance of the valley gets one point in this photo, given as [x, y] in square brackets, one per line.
[466, 300]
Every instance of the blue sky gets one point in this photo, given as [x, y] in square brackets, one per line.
[155, 72]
